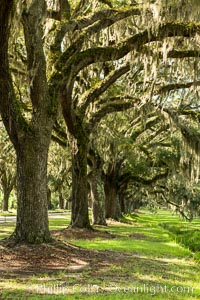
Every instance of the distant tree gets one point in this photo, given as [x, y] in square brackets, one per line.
[7, 168]
[129, 156]
[59, 173]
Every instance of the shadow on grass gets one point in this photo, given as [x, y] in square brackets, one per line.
[29, 271]
[118, 260]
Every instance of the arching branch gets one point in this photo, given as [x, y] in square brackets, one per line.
[183, 53]
[101, 54]
[128, 177]
[94, 23]
[102, 86]
[114, 104]
[176, 86]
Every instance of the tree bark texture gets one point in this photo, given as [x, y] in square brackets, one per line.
[80, 215]
[97, 194]
[97, 197]
[112, 199]
[32, 208]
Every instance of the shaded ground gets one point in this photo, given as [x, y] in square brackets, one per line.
[73, 233]
[58, 255]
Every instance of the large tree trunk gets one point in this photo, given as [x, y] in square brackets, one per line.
[32, 208]
[96, 188]
[80, 216]
[97, 197]
[112, 199]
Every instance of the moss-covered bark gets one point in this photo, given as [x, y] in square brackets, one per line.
[80, 215]
[32, 205]
[112, 204]
[97, 188]
[98, 199]
[79, 148]
[111, 187]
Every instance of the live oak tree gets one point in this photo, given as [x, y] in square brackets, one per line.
[128, 164]
[145, 145]
[30, 136]
[124, 37]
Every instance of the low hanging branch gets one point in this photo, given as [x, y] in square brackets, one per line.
[58, 140]
[110, 107]
[174, 53]
[140, 129]
[128, 177]
[101, 54]
[136, 42]
[176, 86]
[192, 137]
[101, 87]
[178, 207]
[92, 24]
[183, 53]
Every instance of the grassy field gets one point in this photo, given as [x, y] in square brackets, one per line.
[138, 259]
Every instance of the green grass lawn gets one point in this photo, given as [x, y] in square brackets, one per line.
[140, 261]
[8, 213]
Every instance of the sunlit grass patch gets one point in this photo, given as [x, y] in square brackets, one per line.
[55, 222]
[59, 222]
[8, 213]
[6, 229]
[156, 249]
[186, 235]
